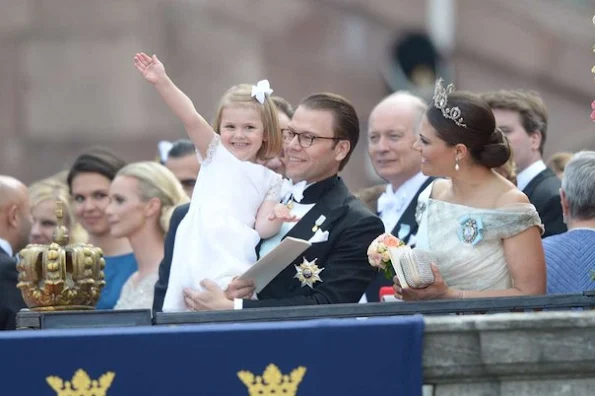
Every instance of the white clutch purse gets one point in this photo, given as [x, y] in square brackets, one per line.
[412, 266]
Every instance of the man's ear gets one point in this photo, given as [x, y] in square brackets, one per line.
[12, 215]
[564, 203]
[342, 149]
[536, 137]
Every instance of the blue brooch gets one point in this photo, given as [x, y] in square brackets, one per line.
[470, 229]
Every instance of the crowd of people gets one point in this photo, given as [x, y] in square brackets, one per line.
[465, 178]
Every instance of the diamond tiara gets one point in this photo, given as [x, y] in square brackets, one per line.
[441, 101]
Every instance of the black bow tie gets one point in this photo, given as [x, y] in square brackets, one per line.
[315, 192]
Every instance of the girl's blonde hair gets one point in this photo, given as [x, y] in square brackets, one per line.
[53, 189]
[156, 181]
[242, 94]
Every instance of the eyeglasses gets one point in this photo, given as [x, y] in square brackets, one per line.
[304, 139]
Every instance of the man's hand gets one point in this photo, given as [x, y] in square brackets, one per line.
[212, 298]
[240, 288]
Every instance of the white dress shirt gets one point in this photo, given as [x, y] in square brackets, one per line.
[392, 204]
[524, 178]
[6, 246]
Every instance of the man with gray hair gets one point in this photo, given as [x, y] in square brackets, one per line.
[570, 257]
[392, 131]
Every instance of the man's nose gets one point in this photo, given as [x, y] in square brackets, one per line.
[381, 145]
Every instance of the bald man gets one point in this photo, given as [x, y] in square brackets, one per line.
[15, 224]
[392, 130]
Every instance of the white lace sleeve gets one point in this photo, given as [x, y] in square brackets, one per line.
[274, 193]
[210, 150]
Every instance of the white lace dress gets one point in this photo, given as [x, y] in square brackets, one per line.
[217, 239]
[468, 242]
[138, 295]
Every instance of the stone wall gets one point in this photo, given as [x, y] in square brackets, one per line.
[543, 353]
[67, 79]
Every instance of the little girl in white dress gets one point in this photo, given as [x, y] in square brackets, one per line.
[235, 202]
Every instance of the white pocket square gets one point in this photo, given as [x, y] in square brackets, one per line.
[319, 236]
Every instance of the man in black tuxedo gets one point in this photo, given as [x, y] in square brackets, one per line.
[522, 116]
[317, 144]
[392, 130]
[15, 225]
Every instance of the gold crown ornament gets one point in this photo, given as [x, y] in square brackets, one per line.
[59, 276]
[441, 103]
[273, 382]
[81, 384]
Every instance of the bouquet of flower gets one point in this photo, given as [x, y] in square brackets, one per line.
[379, 256]
[411, 266]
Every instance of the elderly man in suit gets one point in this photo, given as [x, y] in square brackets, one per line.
[392, 130]
[570, 257]
[15, 225]
[522, 117]
[318, 142]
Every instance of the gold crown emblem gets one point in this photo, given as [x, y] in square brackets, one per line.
[81, 384]
[61, 276]
[272, 382]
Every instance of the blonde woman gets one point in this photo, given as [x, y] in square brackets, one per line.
[43, 196]
[143, 196]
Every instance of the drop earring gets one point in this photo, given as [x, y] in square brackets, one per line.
[457, 167]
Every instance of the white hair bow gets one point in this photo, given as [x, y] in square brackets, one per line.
[261, 89]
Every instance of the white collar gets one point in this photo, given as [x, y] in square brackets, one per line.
[396, 201]
[4, 245]
[524, 178]
[410, 187]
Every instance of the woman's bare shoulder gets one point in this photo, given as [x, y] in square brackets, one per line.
[440, 187]
[511, 195]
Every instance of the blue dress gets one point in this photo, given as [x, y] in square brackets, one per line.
[117, 271]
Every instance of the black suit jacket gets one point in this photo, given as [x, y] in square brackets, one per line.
[407, 220]
[11, 299]
[544, 193]
[165, 266]
[351, 226]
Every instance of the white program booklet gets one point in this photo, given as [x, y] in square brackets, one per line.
[269, 266]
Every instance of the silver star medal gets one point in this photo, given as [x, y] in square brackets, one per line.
[308, 273]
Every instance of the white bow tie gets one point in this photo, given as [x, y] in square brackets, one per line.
[389, 202]
[296, 191]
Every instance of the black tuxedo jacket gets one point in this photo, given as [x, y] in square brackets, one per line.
[346, 272]
[544, 193]
[407, 220]
[165, 266]
[11, 300]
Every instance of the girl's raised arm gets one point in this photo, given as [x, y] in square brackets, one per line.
[198, 129]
